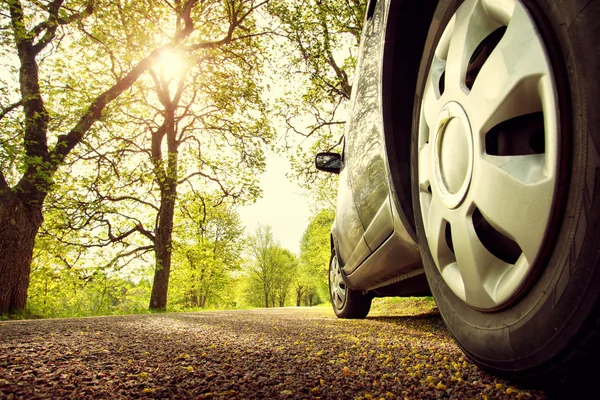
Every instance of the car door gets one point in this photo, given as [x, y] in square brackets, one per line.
[350, 244]
[368, 173]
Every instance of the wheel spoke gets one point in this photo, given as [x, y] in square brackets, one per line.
[425, 167]
[337, 286]
[436, 230]
[471, 26]
[507, 85]
[475, 263]
[515, 197]
[431, 94]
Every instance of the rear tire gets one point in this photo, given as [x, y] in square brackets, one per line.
[346, 302]
[547, 324]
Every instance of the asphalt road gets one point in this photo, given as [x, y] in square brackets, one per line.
[274, 353]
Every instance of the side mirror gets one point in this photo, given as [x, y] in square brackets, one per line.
[329, 162]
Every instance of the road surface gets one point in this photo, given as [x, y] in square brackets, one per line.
[273, 353]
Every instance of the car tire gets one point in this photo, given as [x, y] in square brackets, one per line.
[545, 326]
[346, 302]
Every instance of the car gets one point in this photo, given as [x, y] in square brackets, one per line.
[470, 170]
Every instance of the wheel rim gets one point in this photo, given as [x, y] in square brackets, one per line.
[488, 151]
[337, 286]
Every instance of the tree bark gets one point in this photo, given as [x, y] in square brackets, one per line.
[19, 224]
[299, 296]
[166, 176]
[163, 249]
[266, 299]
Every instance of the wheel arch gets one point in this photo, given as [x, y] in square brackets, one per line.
[400, 66]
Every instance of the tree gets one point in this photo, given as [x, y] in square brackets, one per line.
[207, 250]
[286, 263]
[271, 268]
[315, 253]
[322, 40]
[35, 142]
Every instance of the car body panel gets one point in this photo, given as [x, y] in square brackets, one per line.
[381, 226]
[365, 149]
[378, 250]
[352, 249]
[396, 259]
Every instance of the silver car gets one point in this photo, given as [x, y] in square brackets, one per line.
[471, 170]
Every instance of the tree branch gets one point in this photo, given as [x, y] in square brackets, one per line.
[137, 228]
[67, 142]
[3, 184]
[10, 108]
[211, 178]
[143, 249]
[54, 21]
[124, 198]
[234, 23]
[188, 23]
[145, 232]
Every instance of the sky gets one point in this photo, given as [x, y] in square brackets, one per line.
[282, 205]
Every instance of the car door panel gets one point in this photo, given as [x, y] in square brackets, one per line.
[379, 229]
[368, 173]
[351, 249]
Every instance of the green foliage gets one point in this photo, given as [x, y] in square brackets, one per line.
[322, 40]
[72, 280]
[57, 292]
[206, 254]
[270, 270]
[315, 253]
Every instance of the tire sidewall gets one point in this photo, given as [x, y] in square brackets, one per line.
[338, 311]
[356, 304]
[559, 303]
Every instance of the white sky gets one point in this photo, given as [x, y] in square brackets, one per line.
[282, 205]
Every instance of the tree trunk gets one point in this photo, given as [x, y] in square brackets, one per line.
[163, 249]
[166, 177]
[298, 296]
[19, 224]
[192, 299]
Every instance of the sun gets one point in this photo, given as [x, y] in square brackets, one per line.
[171, 64]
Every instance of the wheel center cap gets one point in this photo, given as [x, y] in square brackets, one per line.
[453, 154]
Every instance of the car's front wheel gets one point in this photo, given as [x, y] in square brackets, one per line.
[346, 302]
[506, 183]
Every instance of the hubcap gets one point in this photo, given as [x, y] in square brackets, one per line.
[488, 151]
[337, 286]
[453, 154]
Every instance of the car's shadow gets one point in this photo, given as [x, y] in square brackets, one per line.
[427, 322]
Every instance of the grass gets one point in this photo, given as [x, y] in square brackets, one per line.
[403, 306]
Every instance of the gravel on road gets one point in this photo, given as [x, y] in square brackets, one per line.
[270, 353]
